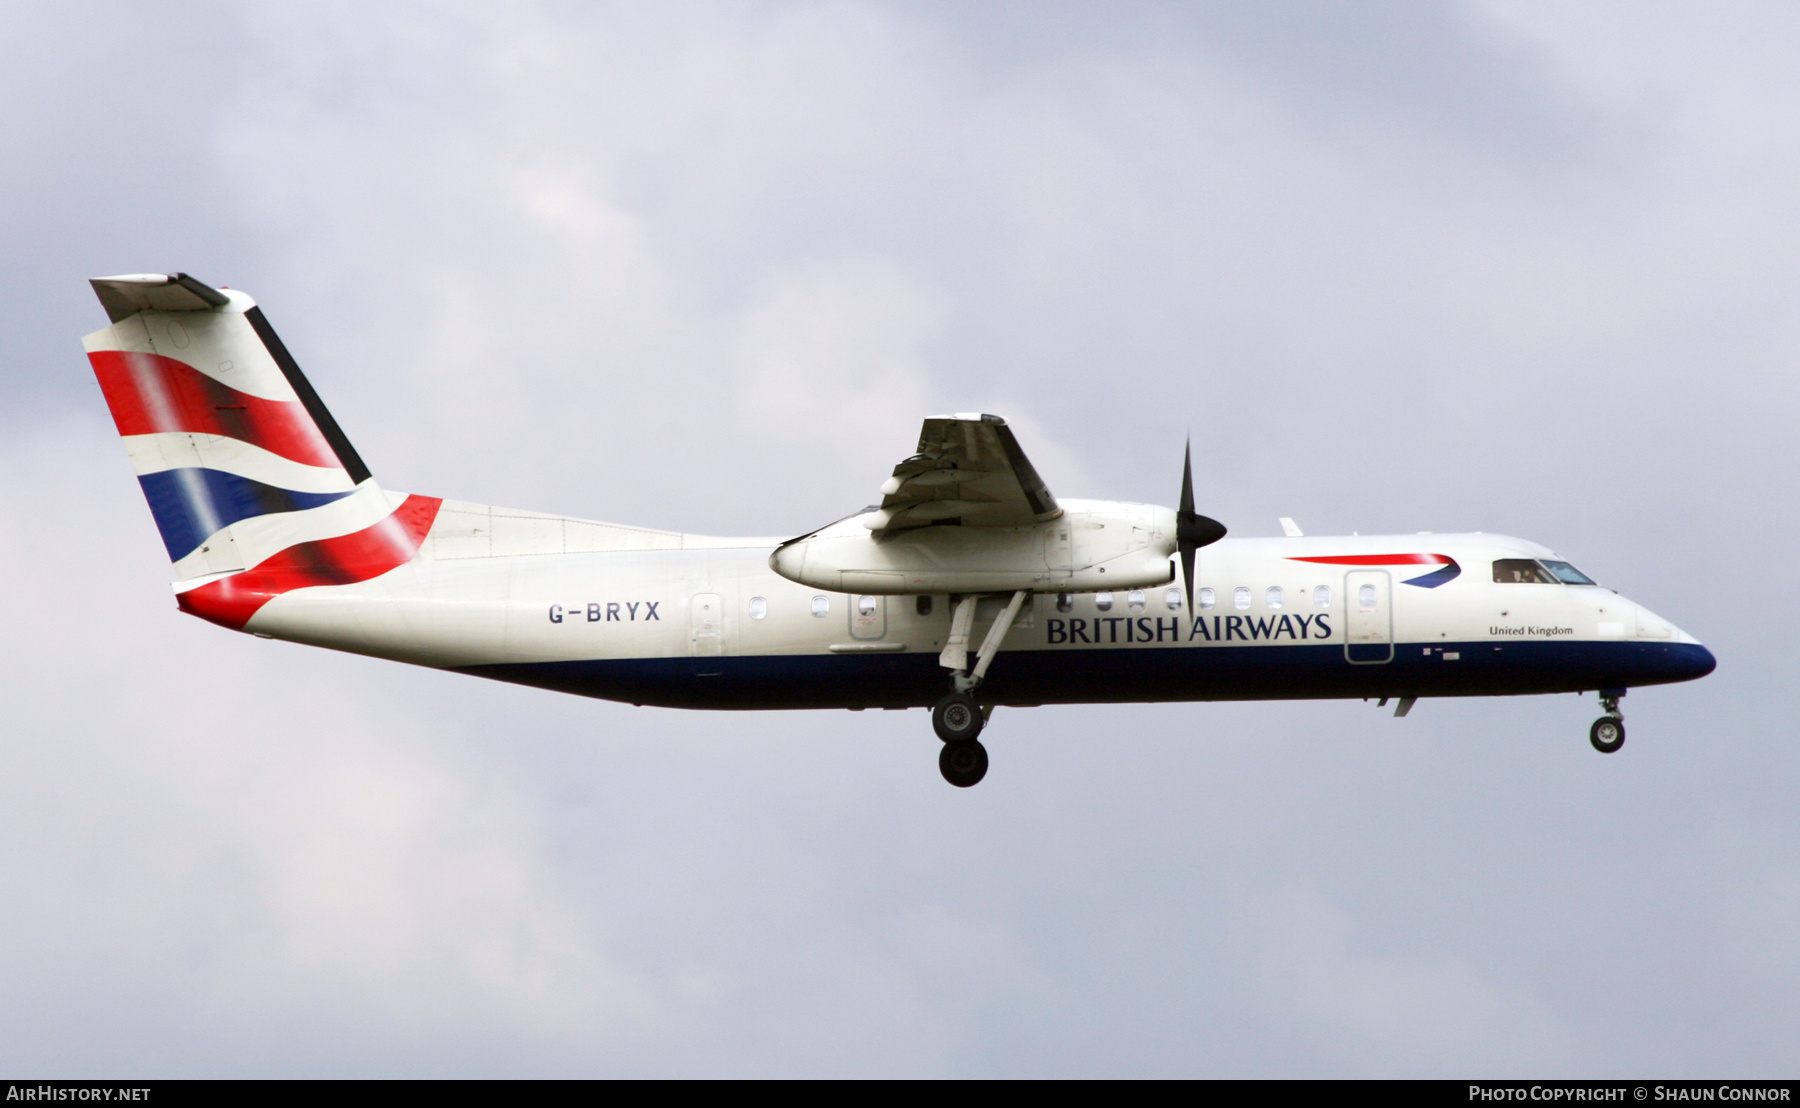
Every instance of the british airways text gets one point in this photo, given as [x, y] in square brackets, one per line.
[1217, 629]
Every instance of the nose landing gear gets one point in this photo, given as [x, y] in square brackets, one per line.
[1608, 732]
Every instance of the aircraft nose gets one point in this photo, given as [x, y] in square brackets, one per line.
[1694, 661]
[1667, 653]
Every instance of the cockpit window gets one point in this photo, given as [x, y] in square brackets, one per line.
[1567, 573]
[1514, 571]
[1521, 571]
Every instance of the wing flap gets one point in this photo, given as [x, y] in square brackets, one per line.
[969, 470]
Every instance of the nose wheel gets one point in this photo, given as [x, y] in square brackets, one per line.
[1608, 732]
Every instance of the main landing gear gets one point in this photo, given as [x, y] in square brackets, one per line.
[959, 718]
[963, 762]
[1608, 732]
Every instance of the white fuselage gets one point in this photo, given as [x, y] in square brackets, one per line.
[653, 624]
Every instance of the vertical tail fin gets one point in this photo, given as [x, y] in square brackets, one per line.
[242, 465]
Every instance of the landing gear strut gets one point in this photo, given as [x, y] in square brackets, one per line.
[1608, 732]
[957, 718]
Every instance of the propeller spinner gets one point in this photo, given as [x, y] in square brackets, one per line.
[1192, 530]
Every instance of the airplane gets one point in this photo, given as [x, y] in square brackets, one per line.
[967, 587]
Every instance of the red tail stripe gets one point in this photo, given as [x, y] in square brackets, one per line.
[344, 560]
[1381, 560]
[149, 393]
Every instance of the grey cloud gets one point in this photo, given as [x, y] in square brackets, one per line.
[1504, 267]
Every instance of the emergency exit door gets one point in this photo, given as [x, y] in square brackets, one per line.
[1368, 618]
[868, 617]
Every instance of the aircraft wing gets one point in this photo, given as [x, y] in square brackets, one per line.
[968, 470]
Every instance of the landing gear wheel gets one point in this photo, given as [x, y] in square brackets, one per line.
[963, 762]
[956, 718]
[1607, 734]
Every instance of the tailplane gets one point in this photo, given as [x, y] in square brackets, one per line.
[254, 487]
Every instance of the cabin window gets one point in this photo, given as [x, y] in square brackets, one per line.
[1272, 598]
[922, 605]
[1065, 601]
[821, 606]
[1567, 573]
[1521, 571]
[1240, 598]
[866, 605]
[759, 607]
[1103, 601]
[1207, 598]
[1365, 598]
[1172, 599]
[1135, 600]
[1322, 596]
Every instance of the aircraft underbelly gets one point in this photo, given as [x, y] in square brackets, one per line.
[1029, 677]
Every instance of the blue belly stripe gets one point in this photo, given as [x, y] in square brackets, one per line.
[1295, 672]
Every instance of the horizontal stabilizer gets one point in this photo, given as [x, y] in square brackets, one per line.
[126, 295]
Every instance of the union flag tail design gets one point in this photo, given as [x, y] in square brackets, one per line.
[253, 485]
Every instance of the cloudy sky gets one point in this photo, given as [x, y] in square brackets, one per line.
[1519, 267]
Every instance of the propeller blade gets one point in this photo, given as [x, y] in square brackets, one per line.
[1192, 530]
[1187, 574]
[1187, 480]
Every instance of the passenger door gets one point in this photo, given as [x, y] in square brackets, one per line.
[706, 613]
[1368, 618]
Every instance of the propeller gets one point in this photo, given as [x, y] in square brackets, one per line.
[1192, 530]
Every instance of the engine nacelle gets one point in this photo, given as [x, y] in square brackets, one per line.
[1093, 546]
